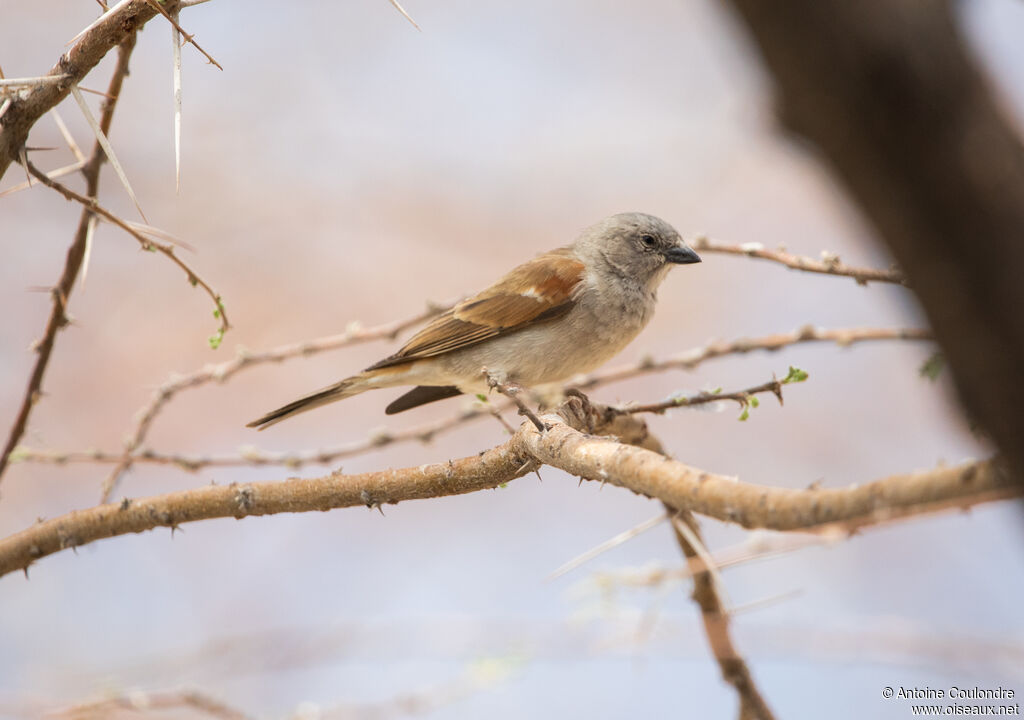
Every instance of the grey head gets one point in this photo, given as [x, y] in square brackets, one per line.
[635, 246]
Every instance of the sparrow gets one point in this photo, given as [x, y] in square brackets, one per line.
[563, 313]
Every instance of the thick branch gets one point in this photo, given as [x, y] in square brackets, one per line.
[887, 89]
[74, 65]
[373, 489]
[756, 506]
[602, 459]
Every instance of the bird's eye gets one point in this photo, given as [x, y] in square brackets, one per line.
[648, 240]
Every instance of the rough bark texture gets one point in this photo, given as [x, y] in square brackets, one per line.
[888, 92]
[562, 446]
[76, 63]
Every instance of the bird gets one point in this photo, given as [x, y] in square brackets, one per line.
[562, 313]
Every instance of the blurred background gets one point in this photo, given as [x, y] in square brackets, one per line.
[345, 167]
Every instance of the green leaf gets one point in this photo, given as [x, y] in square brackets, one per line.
[795, 375]
[216, 339]
[754, 402]
[481, 397]
[932, 367]
[745, 414]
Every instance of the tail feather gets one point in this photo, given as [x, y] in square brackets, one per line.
[340, 390]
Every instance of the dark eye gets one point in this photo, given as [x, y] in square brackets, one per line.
[648, 240]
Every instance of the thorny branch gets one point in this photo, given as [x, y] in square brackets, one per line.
[745, 398]
[86, 52]
[147, 243]
[73, 263]
[690, 359]
[828, 265]
[561, 446]
[220, 372]
[714, 613]
[715, 617]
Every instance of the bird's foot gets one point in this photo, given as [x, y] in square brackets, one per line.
[499, 381]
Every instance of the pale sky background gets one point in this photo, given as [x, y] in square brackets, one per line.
[346, 167]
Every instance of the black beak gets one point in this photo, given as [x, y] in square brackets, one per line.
[681, 255]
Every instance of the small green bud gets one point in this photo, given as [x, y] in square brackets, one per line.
[795, 375]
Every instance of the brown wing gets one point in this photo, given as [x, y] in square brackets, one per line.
[538, 290]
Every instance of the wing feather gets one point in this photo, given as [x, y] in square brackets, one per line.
[538, 290]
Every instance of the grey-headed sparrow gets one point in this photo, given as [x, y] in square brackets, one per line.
[562, 313]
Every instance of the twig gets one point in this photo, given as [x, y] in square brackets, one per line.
[73, 262]
[188, 38]
[745, 398]
[561, 446]
[142, 702]
[147, 243]
[254, 457]
[221, 372]
[244, 359]
[624, 536]
[754, 548]
[828, 265]
[53, 175]
[690, 359]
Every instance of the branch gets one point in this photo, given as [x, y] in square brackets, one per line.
[189, 700]
[745, 398]
[255, 457]
[373, 489]
[112, 30]
[756, 506]
[222, 372]
[828, 265]
[733, 667]
[147, 243]
[73, 262]
[689, 360]
[605, 460]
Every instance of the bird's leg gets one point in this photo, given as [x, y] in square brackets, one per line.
[499, 381]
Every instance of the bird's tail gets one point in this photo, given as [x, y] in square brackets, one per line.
[338, 391]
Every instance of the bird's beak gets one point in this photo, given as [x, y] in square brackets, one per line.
[681, 255]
